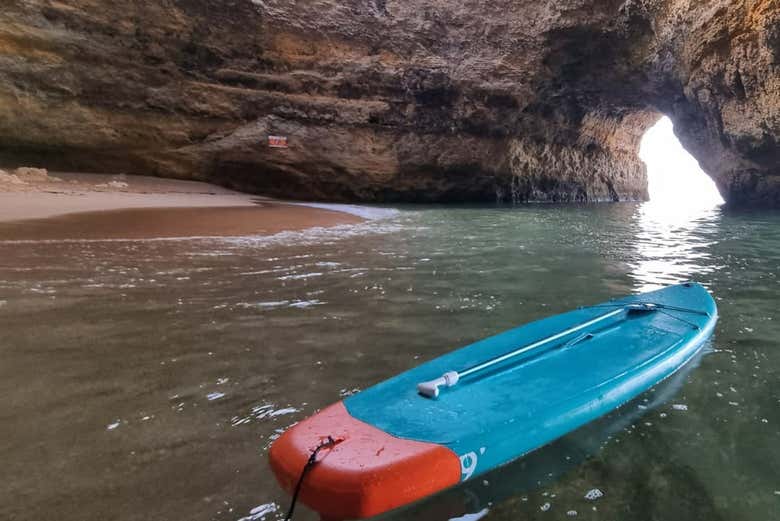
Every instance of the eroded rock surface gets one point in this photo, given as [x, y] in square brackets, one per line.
[387, 100]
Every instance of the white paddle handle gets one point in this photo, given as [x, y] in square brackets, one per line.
[431, 388]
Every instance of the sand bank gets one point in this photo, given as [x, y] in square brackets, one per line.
[93, 206]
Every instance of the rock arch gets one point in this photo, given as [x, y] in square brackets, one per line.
[396, 100]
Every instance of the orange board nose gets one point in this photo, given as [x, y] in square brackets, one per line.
[366, 473]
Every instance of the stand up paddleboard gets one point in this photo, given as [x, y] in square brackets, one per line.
[488, 403]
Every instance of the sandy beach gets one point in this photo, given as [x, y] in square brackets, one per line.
[60, 205]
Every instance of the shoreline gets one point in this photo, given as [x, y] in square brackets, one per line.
[99, 206]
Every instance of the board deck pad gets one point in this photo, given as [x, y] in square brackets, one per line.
[498, 414]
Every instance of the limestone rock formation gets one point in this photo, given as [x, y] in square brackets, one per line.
[389, 100]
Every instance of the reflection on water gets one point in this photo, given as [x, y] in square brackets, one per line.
[147, 379]
[673, 243]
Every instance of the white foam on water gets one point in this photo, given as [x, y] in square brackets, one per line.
[269, 305]
[280, 412]
[277, 433]
[300, 276]
[370, 213]
[312, 236]
[471, 517]
[264, 272]
[301, 237]
[593, 494]
[260, 512]
[192, 254]
[301, 304]
[261, 412]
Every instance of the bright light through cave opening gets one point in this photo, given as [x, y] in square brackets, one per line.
[675, 180]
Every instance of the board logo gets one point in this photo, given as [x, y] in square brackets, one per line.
[468, 463]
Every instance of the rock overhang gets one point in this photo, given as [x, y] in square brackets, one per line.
[396, 101]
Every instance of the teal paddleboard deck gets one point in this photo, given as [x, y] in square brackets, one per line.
[529, 400]
[488, 403]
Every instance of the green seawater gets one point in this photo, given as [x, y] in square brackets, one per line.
[145, 380]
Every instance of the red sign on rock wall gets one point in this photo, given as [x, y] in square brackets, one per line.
[277, 141]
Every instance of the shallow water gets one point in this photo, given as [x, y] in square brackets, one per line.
[146, 379]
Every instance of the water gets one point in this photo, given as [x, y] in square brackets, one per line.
[145, 380]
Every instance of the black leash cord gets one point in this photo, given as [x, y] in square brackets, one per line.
[330, 442]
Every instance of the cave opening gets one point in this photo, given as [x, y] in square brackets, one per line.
[675, 179]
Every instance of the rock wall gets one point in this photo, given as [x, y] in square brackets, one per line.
[724, 94]
[394, 100]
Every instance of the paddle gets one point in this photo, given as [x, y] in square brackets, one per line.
[430, 389]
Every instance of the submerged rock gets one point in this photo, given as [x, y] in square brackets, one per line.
[386, 100]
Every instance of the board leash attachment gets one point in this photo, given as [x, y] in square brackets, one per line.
[327, 444]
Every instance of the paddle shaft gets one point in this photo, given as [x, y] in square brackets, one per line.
[497, 360]
[431, 388]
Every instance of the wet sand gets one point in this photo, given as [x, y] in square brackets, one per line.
[144, 223]
[93, 206]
